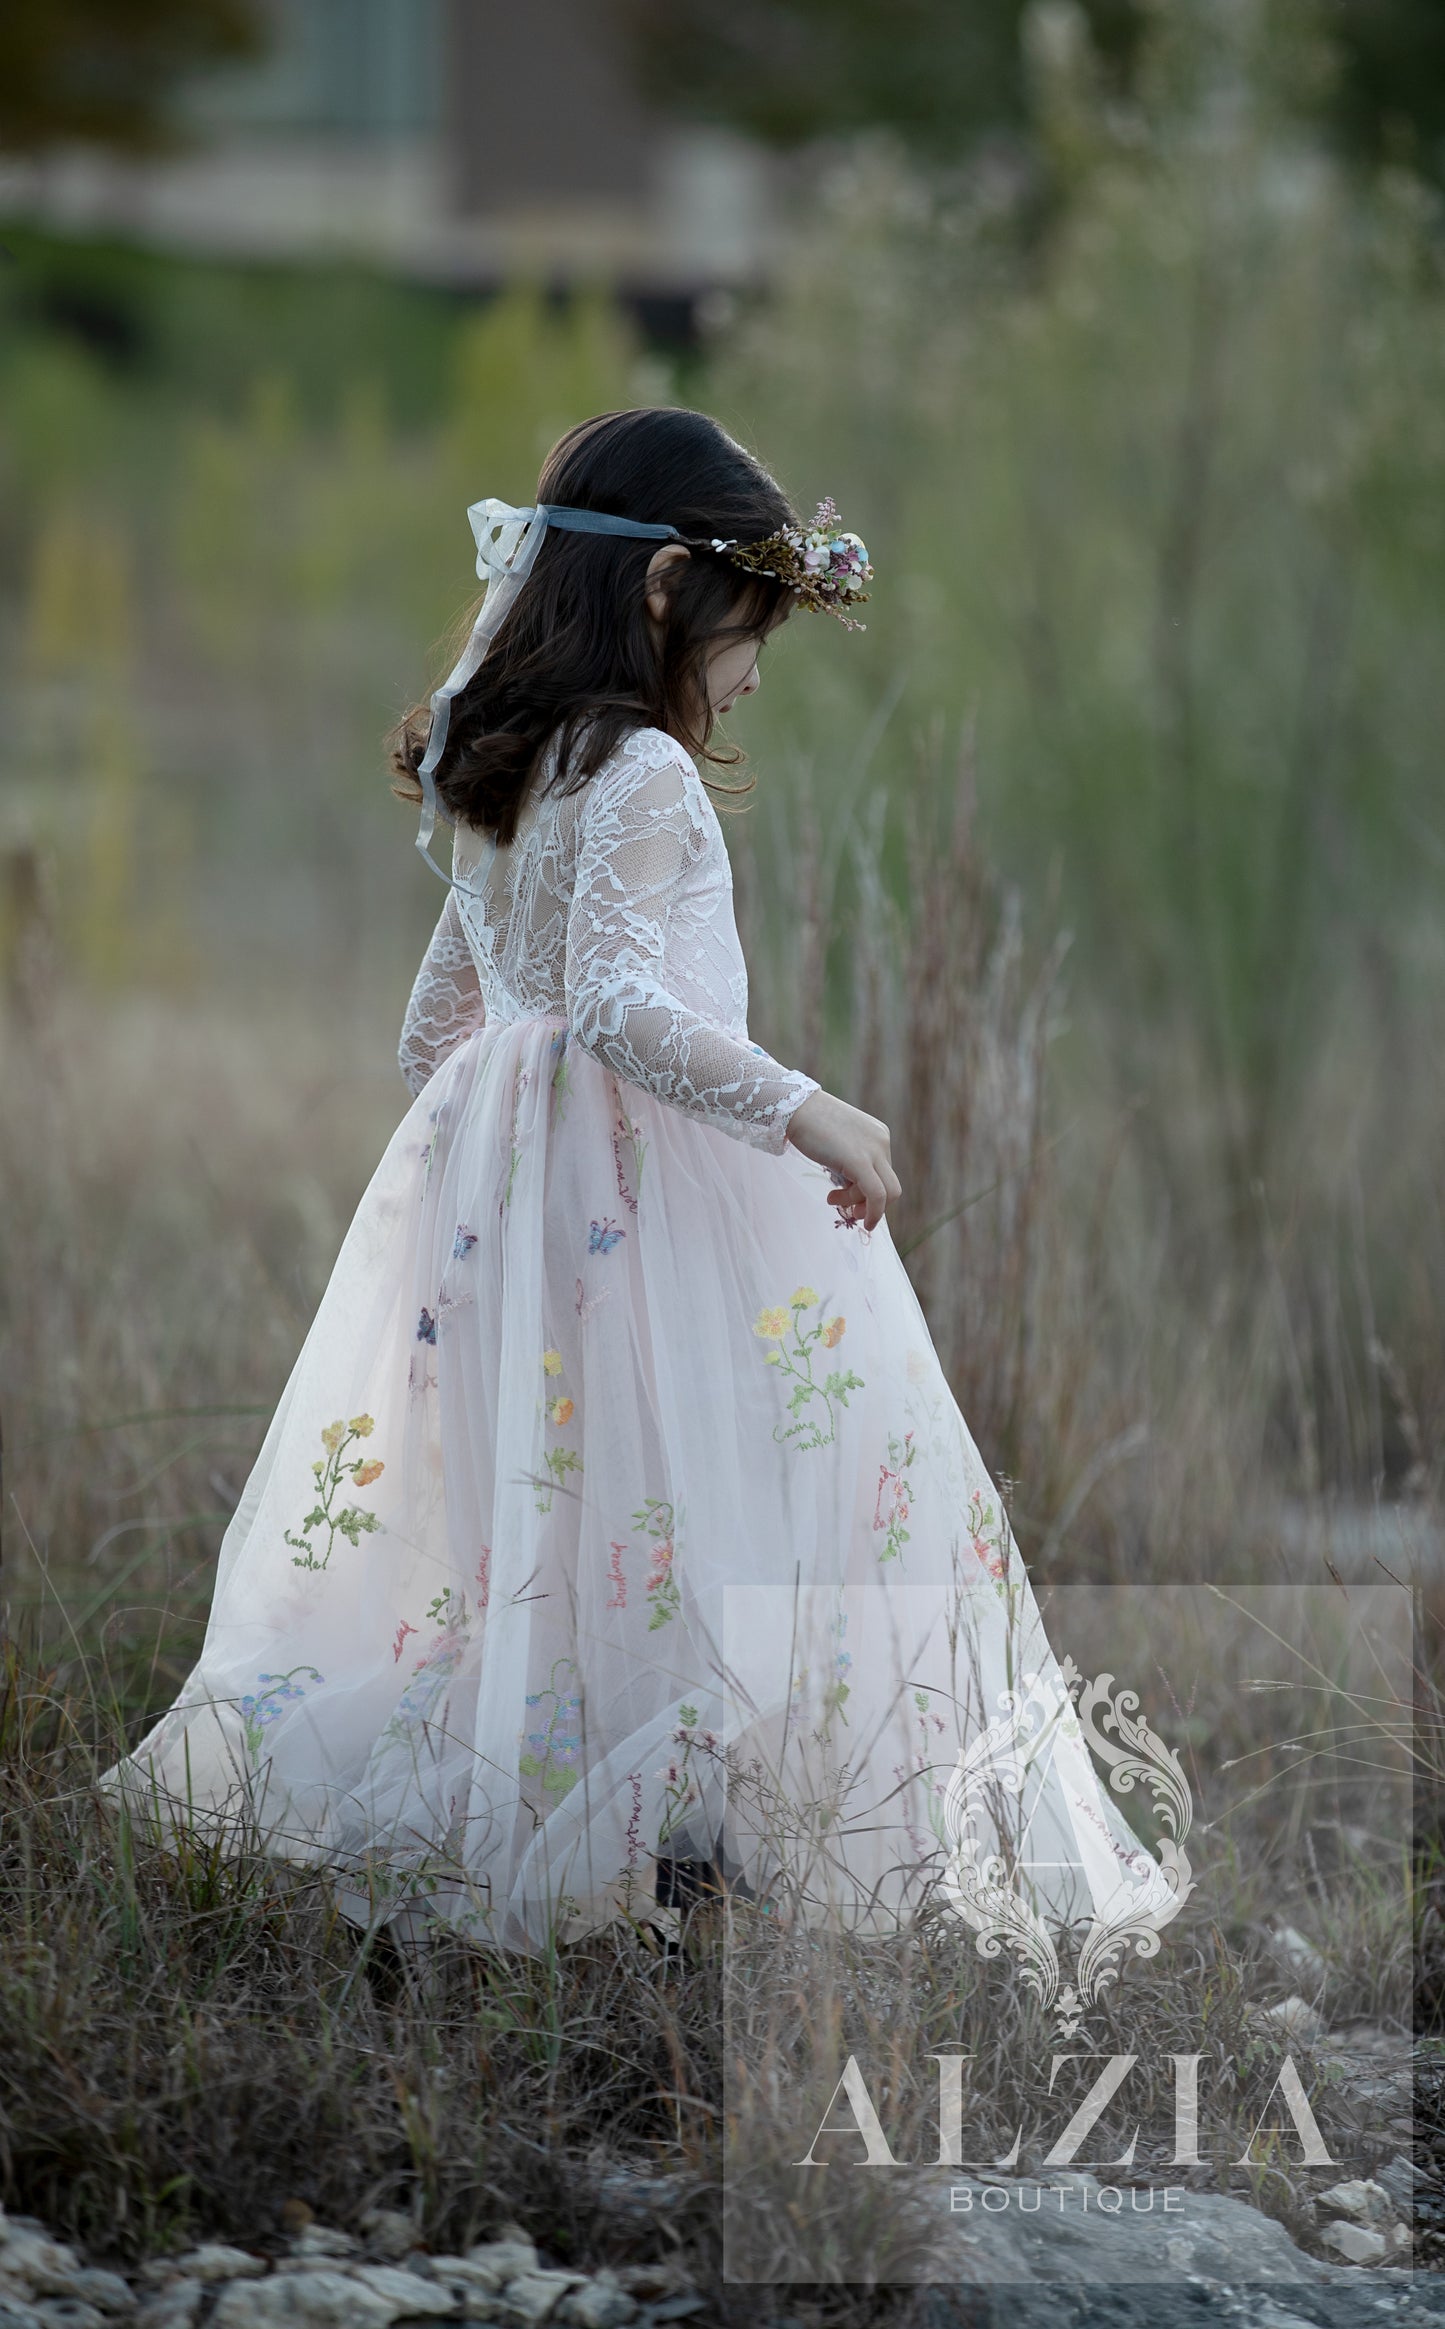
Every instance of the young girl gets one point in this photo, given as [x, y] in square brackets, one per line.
[617, 1514]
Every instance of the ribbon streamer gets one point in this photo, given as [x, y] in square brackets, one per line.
[508, 540]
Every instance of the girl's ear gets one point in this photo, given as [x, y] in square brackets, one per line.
[662, 571]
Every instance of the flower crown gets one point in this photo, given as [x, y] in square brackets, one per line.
[823, 567]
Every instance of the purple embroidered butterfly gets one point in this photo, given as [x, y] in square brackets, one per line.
[603, 1235]
[465, 1240]
[426, 1328]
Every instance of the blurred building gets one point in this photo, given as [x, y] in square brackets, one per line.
[463, 141]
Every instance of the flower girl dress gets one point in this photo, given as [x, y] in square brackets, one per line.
[617, 1515]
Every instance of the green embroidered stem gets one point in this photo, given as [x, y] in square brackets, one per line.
[657, 1519]
[679, 1787]
[774, 1325]
[351, 1521]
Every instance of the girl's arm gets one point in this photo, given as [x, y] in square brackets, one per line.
[446, 1002]
[641, 832]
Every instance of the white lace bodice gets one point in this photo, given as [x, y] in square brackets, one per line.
[614, 907]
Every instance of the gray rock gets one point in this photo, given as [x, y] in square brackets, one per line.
[175, 2308]
[600, 2303]
[1362, 2200]
[413, 2297]
[17, 2316]
[501, 2260]
[1399, 2178]
[303, 2300]
[1299, 1955]
[42, 2265]
[535, 2296]
[389, 2234]
[473, 2285]
[1294, 2018]
[1199, 2237]
[1355, 2242]
[215, 2260]
[323, 2240]
[105, 2290]
[68, 2313]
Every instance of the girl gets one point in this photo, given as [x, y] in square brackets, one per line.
[617, 1514]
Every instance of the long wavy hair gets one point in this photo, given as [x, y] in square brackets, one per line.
[579, 657]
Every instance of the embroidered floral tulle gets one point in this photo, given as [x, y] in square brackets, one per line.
[617, 1518]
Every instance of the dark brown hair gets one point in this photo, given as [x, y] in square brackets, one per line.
[578, 656]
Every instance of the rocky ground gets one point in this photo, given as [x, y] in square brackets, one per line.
[1376, 2253]
[327, 2279]
[1071, 2265]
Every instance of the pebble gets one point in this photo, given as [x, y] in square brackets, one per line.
[1296, 2018]
[216, 2261]
[1300, 1955]
[535, 2296]
[175, 2308]
[319, 2299]
[413, 2297]
[323, 2240]
[504, 2260]
[1355, 2243]
[389, 2234]
[602, 2303]
[1362, 2200]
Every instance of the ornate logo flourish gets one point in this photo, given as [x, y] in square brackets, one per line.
[995, 1768]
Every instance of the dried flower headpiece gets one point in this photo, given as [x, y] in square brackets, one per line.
[824, 567]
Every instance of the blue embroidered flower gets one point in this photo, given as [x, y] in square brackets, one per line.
[426, 1328]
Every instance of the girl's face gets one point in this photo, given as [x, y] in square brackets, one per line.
[732, 671]
[732, 664]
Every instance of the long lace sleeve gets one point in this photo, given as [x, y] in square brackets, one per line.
[446, 1002]
[641, 834]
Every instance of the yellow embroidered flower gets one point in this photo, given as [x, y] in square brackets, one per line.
[802, 1297]
[833, 1333]
[332, 1437]
[773, 1359]
[772, 1325]
[368, 1473]
[562, 1411]
[552, 1361]
[362, 1425]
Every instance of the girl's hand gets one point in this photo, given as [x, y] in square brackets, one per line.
[855, 1147]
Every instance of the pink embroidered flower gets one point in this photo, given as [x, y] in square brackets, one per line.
[661, 1564]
